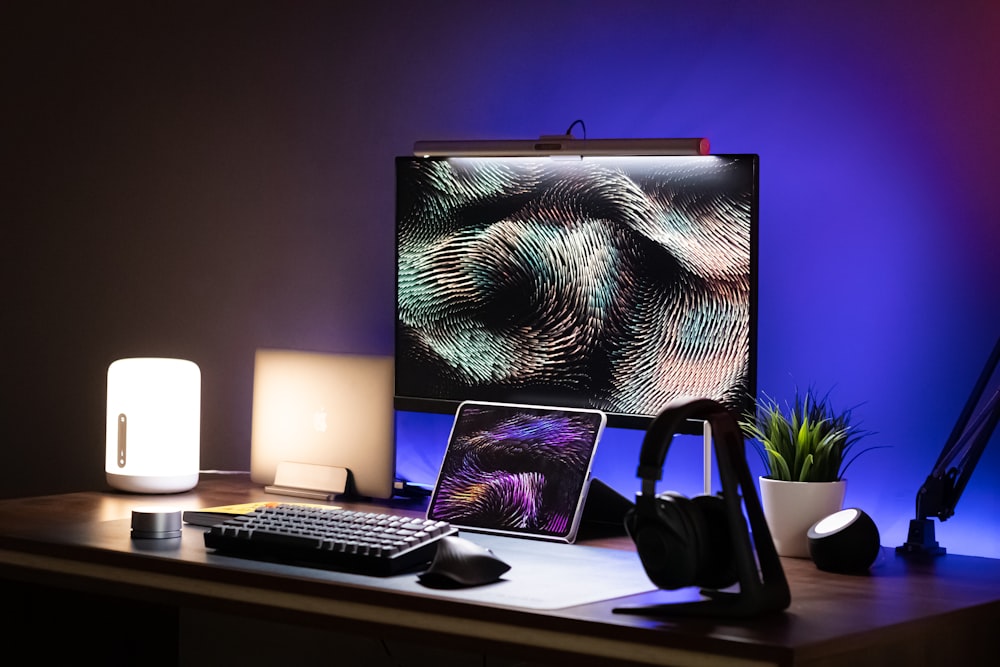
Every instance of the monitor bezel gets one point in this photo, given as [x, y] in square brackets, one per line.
[618, 420]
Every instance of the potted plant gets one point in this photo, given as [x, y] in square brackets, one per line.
[806, 448]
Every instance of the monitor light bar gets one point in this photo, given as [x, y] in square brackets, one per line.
[561, 145]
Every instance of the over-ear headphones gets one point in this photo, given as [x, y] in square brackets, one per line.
[704, 541]
[682, 541]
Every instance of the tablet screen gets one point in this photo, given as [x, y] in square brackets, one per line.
[517, 469]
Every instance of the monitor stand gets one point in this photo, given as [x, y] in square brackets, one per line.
[958, 458]
[920, 540]
[309, 480]
[706, 460]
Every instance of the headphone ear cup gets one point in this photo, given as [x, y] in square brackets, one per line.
[643, 526]
[717, 568]
[684, 541]
[666, 540]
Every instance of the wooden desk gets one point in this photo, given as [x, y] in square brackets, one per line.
[945, 611]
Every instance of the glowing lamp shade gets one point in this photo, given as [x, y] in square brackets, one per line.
[153, 425]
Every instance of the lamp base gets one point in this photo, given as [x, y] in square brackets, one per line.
[153, 483]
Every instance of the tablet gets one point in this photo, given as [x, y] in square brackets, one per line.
[517, 469]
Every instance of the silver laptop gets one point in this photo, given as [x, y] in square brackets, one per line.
[323, 424]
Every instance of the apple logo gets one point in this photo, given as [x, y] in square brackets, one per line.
[319, 420]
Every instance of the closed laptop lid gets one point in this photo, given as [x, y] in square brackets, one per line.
[324, 410]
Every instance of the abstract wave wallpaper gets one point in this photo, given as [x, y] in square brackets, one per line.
[610, 283]
[203, 179]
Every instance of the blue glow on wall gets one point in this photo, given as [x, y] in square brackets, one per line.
[876, 131]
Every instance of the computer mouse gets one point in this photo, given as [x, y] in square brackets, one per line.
[460, 562]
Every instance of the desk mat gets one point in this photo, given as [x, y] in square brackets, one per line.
[550, 575]
[543, 575]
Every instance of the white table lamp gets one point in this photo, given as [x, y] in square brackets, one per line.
[153, 425]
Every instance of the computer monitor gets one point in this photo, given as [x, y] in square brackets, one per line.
[609, 282]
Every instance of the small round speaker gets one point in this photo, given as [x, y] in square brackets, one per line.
[846, 542]
[155, 523]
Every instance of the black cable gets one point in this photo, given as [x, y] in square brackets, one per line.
[569, 130]
[388, 653]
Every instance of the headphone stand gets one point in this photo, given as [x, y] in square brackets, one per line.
[761, 579]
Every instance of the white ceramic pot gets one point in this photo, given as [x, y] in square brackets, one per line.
[791, 508]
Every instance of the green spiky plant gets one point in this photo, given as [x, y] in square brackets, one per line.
[808, 442]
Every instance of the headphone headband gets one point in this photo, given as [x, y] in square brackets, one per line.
[661, 431]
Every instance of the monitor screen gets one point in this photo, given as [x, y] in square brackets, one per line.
[612, 283]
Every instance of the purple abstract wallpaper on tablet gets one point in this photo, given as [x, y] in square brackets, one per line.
[516, 468]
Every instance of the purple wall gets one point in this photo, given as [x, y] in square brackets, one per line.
[201, 179]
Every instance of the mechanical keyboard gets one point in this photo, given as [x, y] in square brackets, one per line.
[362, 542]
